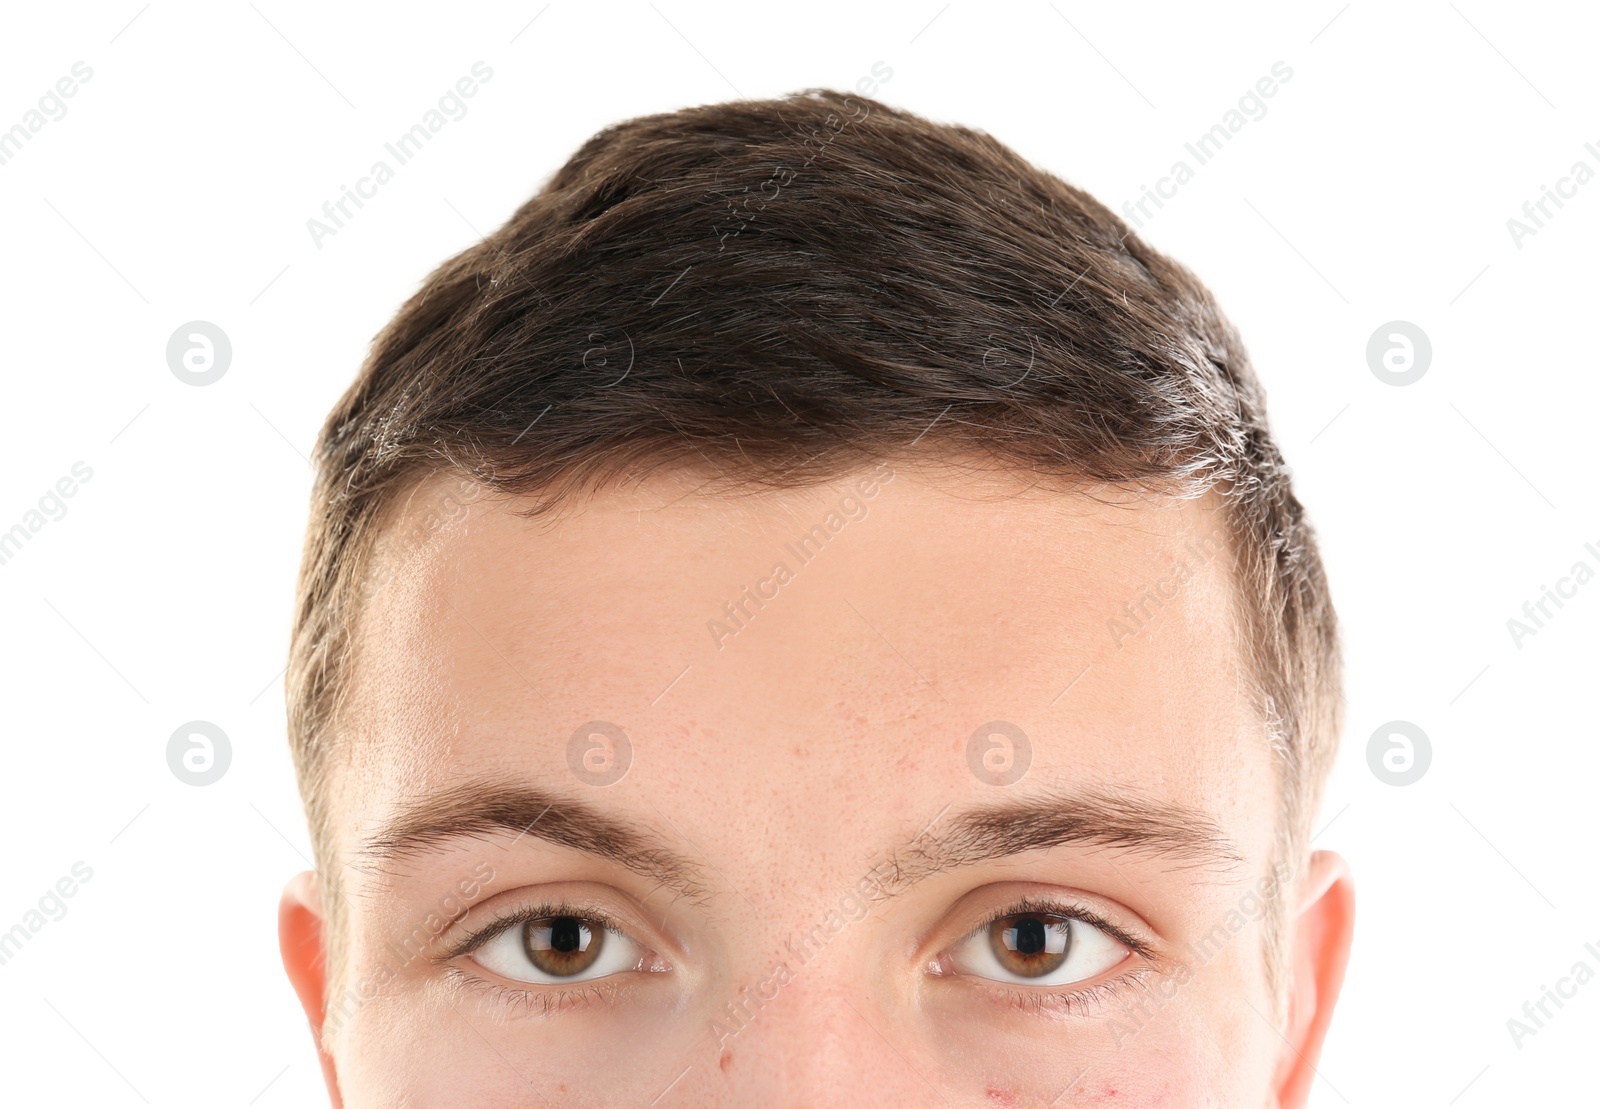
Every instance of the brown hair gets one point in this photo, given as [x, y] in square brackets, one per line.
[788, 289]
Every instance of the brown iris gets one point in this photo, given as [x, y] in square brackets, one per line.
[562, 946]
[1031, 945]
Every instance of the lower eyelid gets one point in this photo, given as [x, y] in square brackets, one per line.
[547, 999]
[539, 999]
[1075, 1002]
[536, 1001]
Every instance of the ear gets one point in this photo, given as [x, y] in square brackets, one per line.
[302, 942]
[1321, 932]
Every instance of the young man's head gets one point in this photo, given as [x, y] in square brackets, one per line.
[810, 612]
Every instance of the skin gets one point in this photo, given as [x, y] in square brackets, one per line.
[786, 766]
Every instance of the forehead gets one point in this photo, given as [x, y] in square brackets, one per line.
[796, 652]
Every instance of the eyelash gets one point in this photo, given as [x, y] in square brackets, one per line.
[1072, 1002]
[539, 1002]
[1035, 906]
[510, 919]
[552, 1000]
[542, 1002]
[1081, 1002]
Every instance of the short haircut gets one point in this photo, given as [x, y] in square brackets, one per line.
[787, 290]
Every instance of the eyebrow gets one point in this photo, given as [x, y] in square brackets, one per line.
[490, 809]
[1182, 836]
[1125, 821]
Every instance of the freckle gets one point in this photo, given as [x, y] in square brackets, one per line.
[727, 1057]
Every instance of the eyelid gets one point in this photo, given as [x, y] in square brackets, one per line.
[983, 905]
[1143, 959]
[506, 919]
[1074, 999]
[607, 905]
[1068, 908]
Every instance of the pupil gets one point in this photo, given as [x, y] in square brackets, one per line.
[1030, 936]
[566, 934]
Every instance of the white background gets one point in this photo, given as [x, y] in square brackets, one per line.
[1378, 186]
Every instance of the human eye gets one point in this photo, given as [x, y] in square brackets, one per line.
[556, 946]
[1035, 943]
